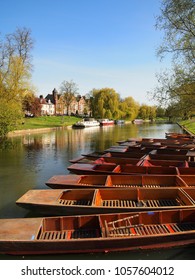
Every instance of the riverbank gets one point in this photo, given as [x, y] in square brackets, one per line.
[188, 126]
[43, 124]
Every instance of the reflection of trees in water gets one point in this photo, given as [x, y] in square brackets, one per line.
[110, 135]
[9, 144]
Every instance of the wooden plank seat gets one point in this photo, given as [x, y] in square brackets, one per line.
[124, 228]
[138, 186]
[74, 202]
[119, 203]
[68, 234]
[141, 203]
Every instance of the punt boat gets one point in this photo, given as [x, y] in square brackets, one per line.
[100, 201]
[186, 171]
[123, 169]
[117, 154]
[98, 233]
[105, 160]
[166, 154]
[160, 141]
[165, 163]
[173, 135]
[118, 181]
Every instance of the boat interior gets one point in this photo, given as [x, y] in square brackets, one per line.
[117, 225]
[128, 198]
[150, 181]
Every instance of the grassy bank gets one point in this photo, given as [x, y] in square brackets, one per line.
[189, 125]
[47, 122]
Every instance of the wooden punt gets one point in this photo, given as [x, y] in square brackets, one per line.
[173, 135]
[181, 155]
[159, 141]
[186, 171]
[116, 181]
[165, 163]
[105, 160]
[97, 201]
[188, 179]
[116, 154]
[97, 233]
[80, 168]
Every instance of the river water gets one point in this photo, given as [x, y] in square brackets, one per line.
[29, 160]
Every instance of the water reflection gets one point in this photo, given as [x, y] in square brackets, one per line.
[27, 161]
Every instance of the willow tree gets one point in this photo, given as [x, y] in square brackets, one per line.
[15, 74]
[105, 103]
[129, 107]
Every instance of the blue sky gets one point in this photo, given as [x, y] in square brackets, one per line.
[95, 43]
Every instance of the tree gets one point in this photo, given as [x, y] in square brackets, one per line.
[10, 115]
[129, 107]
[177, 20]
[104, 102]
[69, 90]
[31, 104]
[15, 74]
[160, 112]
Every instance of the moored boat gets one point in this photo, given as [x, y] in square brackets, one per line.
[167, 163]
[87, 122]
[104, 122]
[105, 160]
[97, 233]
[137, 121]
[119, 121]
[118, 181]
[173, 135]
[97, 201]
[110, 168]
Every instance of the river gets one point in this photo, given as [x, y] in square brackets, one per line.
[29, 160]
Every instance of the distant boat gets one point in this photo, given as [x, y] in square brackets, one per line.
[106, 122]
[87, 122]
[98, 233]
[137, 121]
[119, 121]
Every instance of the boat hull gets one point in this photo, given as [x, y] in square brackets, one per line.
[98, 246]
[91, 234]
[101, 201]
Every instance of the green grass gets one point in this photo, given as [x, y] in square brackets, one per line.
[189, 125]
[47, 122]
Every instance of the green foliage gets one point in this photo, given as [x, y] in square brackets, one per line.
[104, 103]
[160, 112]
[10, 115]
[147, 112]
[15, 73]
[129, 108]
[176, 87]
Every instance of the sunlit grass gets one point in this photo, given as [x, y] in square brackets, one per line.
[189, 125]
[47, 121]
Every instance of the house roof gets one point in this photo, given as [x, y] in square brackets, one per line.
[50, 97]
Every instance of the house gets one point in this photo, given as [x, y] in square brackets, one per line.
[53, 104]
